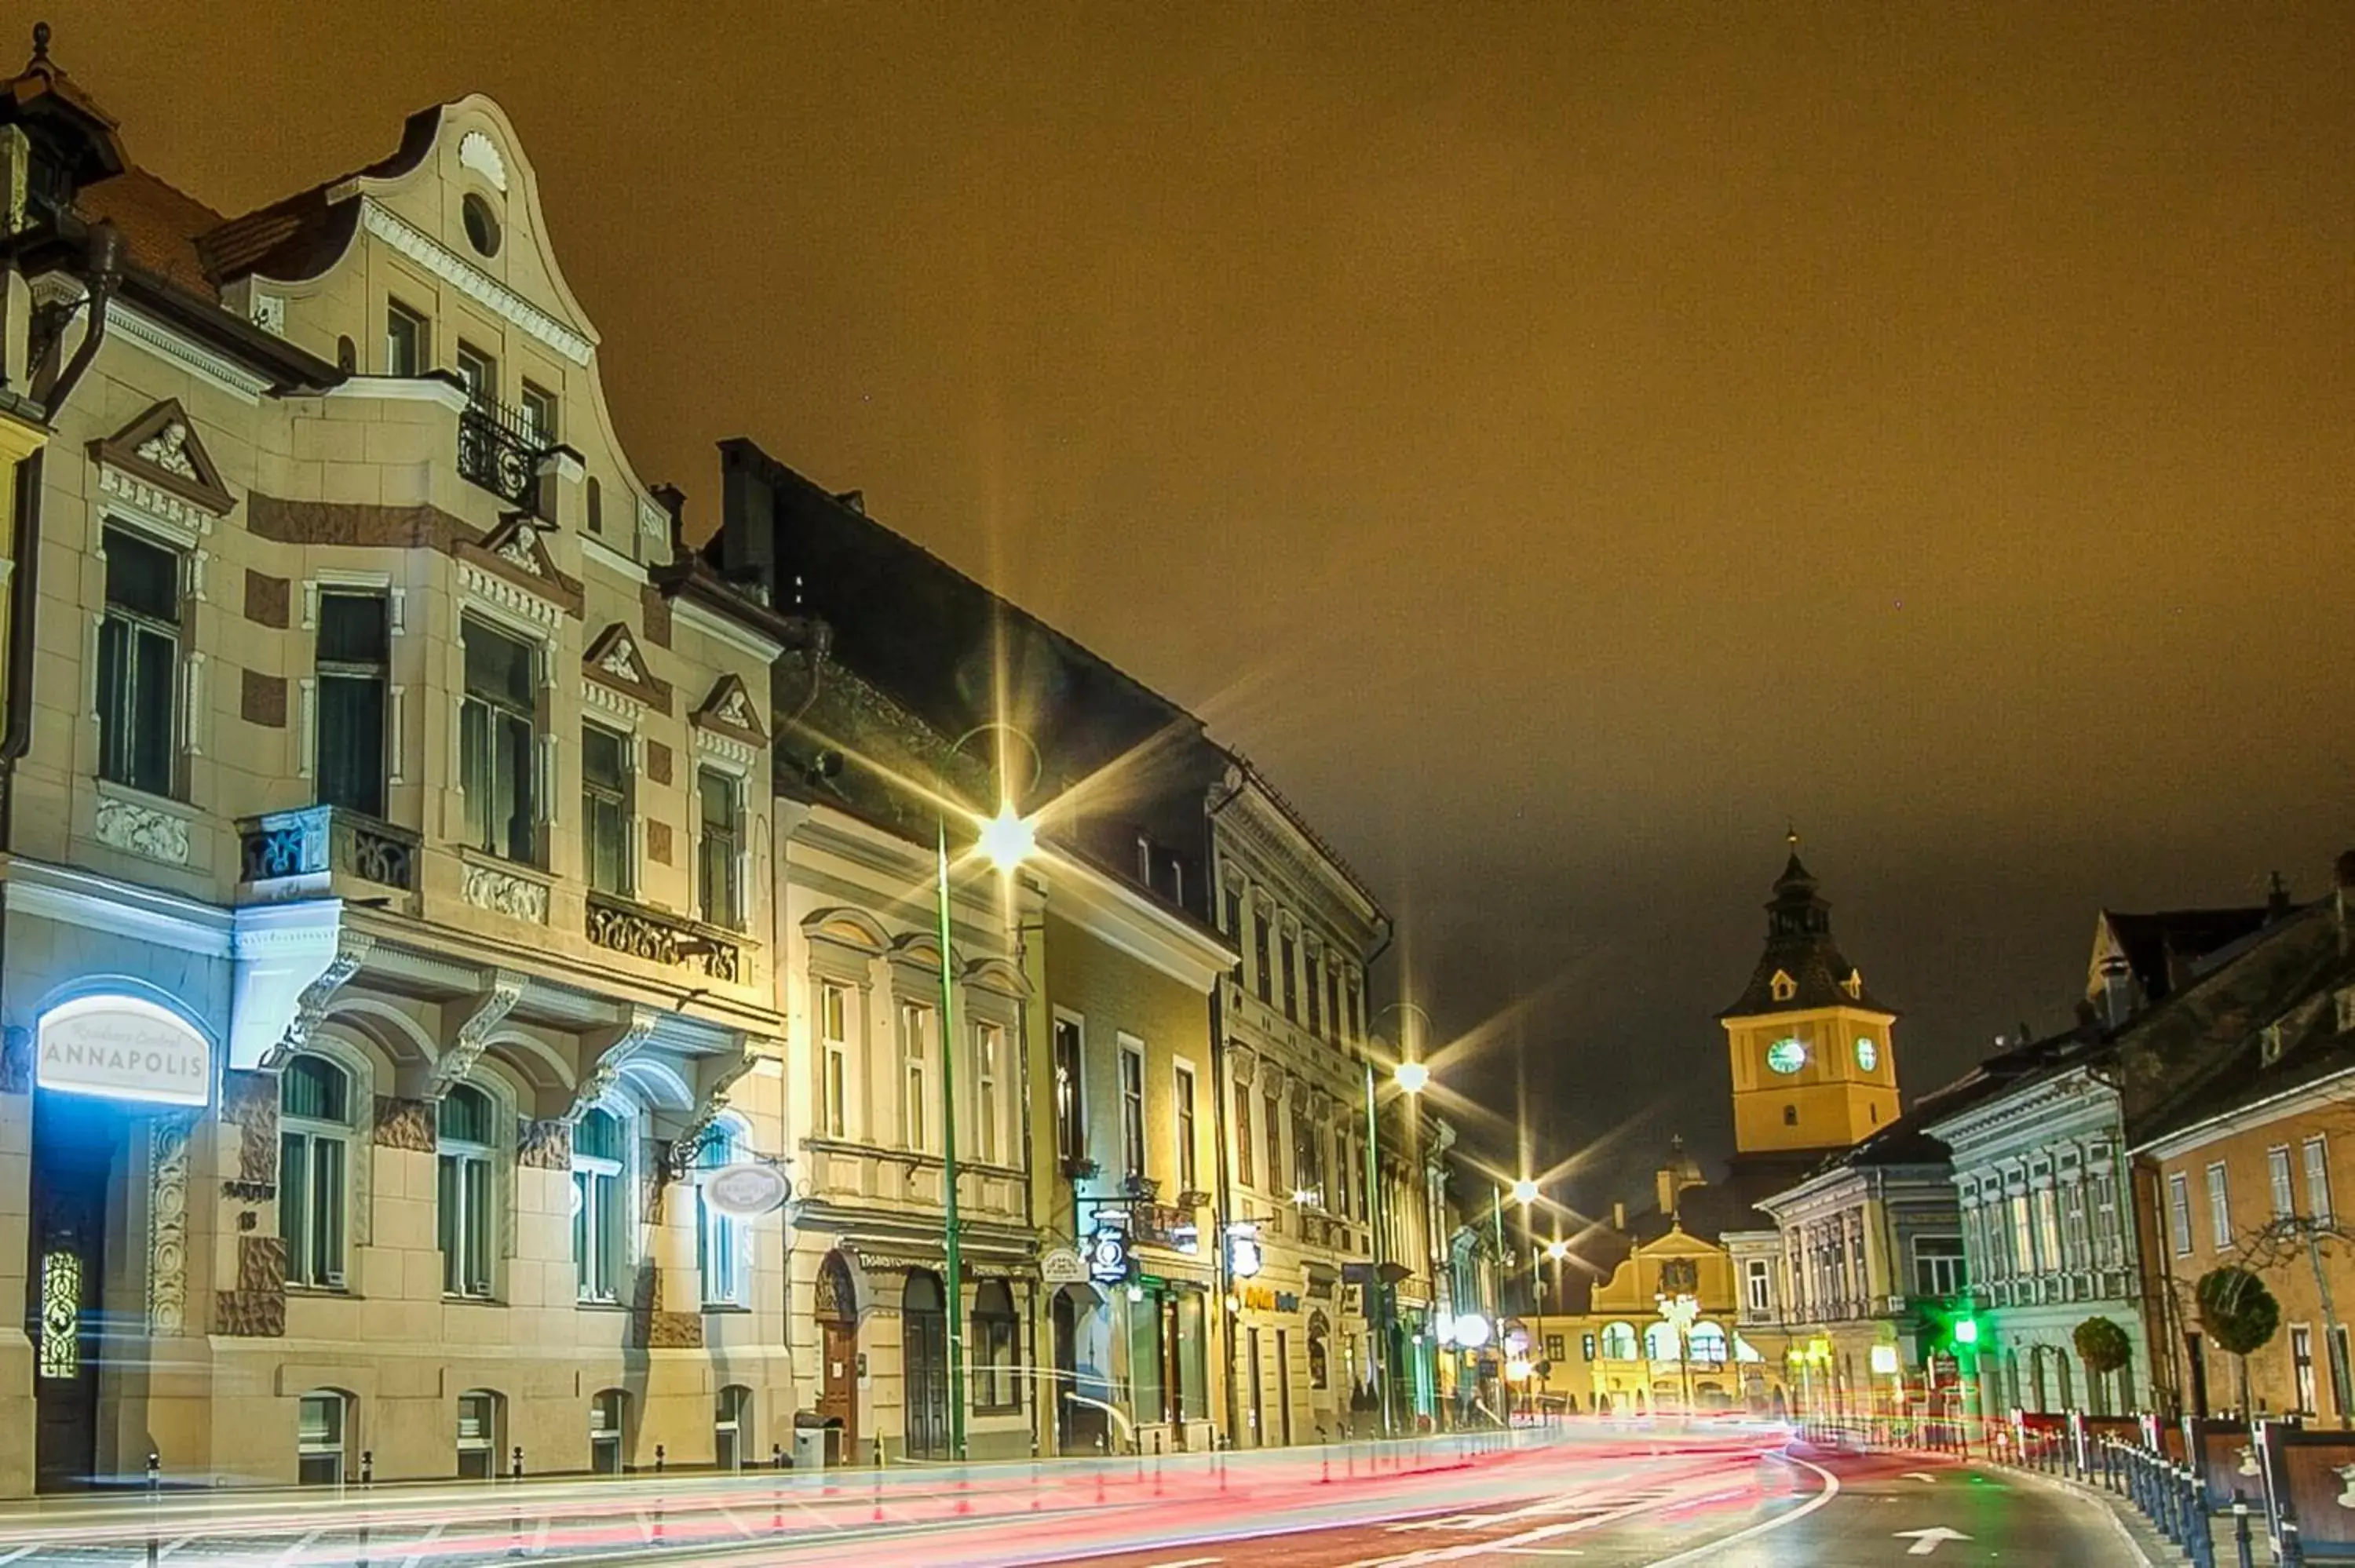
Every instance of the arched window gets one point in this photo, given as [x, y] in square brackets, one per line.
[601, 1150]
[1319, 1371]
[723, 1242]
[319, 1436]
[463, 1191]
[731, 1427]
[1706, 1342]
[995, 1385]
[609, 1415]
[314, 1156]
[1660, 1341]
[1618, 1342]
[478, 1435]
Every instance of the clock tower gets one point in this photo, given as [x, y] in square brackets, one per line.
[1814, 1065]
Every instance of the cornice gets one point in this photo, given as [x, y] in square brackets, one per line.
[472, 281]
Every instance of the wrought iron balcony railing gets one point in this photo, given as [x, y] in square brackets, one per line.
[498, 450]
[662, 939]
[293, 853]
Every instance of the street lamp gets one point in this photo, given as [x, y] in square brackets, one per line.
[1525, 1191]
[1008, 839]
[1410, 1076]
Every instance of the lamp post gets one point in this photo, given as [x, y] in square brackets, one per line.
[1410, 1076]
[1008, 840]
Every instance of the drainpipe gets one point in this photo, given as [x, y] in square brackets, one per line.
[1230, 1323]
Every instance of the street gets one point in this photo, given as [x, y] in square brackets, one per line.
[1734, 1496]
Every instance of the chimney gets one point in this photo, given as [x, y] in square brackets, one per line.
[1619, 1216]
[2117, 991]
[2276, 899]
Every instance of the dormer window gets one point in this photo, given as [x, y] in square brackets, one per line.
[1783, 986]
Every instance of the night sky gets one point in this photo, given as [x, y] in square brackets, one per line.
[1563, 445]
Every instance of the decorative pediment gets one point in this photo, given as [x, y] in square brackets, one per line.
[162, 448]
[615, 662]
[517, 552]
[731, 711]
[849, 928]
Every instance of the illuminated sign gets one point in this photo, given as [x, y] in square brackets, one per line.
[1243, 1257]
[1471, 1331]
[125, 1049]
[1108, 1256]
[746, 1191]
[1884, 1359]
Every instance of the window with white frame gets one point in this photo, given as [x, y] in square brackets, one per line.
[719, 888]
[2219, 1208]
[2107, 1241]
[2278, 1184]
[1070, 1102]
[989, 1089]
[600, 1207]
[605, 810]
[313, 1158]
[1131, 1107]
[834, 1057]
[2179, 1212]
[498, 740]
[916, 1056]
[408, 349]
[354, 662]
[723, 1240]
[537, 407]
[139, 698]
[1244, 1147]
[1182, 1078]
[1938, 1266]
[2318, 1179]
[1760, 1290]
[319, 1438]
[466, 1126]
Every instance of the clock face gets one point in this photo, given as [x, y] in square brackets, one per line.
[1868, 1054]
[1785, 1055]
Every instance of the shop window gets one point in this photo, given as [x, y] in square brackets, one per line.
[354, 653]
[1319, 1357]
[723, 1240]
[996, 1384]
[463, 1191]
[139, 663]
[314, 1155]
[600, 1207]
[498, 741]
[319, 1438]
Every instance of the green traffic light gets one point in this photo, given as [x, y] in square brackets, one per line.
[1967, 1331]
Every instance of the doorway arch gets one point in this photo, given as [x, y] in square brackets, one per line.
[837, 1325]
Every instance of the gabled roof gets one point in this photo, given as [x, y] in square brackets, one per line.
[2160, 949]
[1799, 946]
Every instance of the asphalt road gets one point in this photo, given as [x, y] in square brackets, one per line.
[1727, 1497]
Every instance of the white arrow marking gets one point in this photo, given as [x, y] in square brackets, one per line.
[1919, 1476]
[1925, 1542]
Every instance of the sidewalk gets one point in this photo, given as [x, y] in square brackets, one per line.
[2153, 1548]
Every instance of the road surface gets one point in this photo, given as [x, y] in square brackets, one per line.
[1729, 1497]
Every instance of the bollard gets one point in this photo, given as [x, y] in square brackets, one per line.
[659, 1458]
[776, 1455]
[368, 1469]
[515, 1463]
[2293, 1550]
[2241, 1545]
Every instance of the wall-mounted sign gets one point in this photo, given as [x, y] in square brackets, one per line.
[1063, 1265]
[1244, 1258]
[123, 1048]
[746, 1191]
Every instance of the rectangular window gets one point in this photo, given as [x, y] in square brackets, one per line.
[1938, 1266]
[1315, 1004]
[2277, 1180]
[1132, 1107]
[2318, 1180]
[1071, 1107]
[1183, 1080]
[719, 894]
[1357, 1033]
[353, 669]
[2339, 1368]
[605, 809]
[2220, 1209]
[599, 1212]
[1273, 1104]
[1260, 954]
[834, 1037]
[2107, 1240]
[916, 1045]
[988, 1068]
[480, 373]
[1333, 1001]
[2179, 1213]
[539, 415]
[406, 346]
[1287, 951]
[1759, 1295]
[311, 1203]
[1244, 1154]
[498, 734]
[139, 663]
[463, 1194]
[319, 1439]
[2301, 1356]
[2047, 1230]
[2023, 1235]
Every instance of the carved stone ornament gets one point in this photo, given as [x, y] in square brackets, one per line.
[477, 152]
[1241, 1065]
[517, 552]
[487, 1012]
[731, 711]
[627, 1040]
[168, 1226]
[141, 829]
[614, 660]
[162, 448]
[502, 893]
[311, 1007]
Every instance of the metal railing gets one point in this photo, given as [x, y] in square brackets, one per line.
[500, 450]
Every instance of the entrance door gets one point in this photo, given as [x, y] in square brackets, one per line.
[837, 1321]
[2195, 1354]
[76, 1141]
[1284, 1382]
[924, 1368]
[1258, 1399]
[1065, 1314]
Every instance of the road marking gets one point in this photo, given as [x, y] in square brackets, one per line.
[1919, 1476]
[172, 1547]
[300, 1546]
[428, 1539]
[1831, 1489]
[1546, 1551]
[1925, 1542]
[20, 1551]
[1189, 1563]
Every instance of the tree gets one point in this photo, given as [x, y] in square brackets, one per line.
[2238, 1314]
[2105, 1348]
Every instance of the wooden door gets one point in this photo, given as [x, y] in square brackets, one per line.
[838, 1401]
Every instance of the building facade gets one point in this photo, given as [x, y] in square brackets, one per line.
[382, 1006]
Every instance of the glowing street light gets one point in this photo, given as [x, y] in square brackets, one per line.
[1008, 839]
[1557, 1250]
[1525, 1191]
[1410, 1076]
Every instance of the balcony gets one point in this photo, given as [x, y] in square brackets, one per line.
[498, 450]
[660, 937]
[300, 854]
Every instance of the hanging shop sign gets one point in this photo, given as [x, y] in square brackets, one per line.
[123, 1048]
[1243, 1257]
[1108, 1256]
[746, 1191]
[1063, 1266]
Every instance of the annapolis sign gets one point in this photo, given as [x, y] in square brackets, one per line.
[123, 1048]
